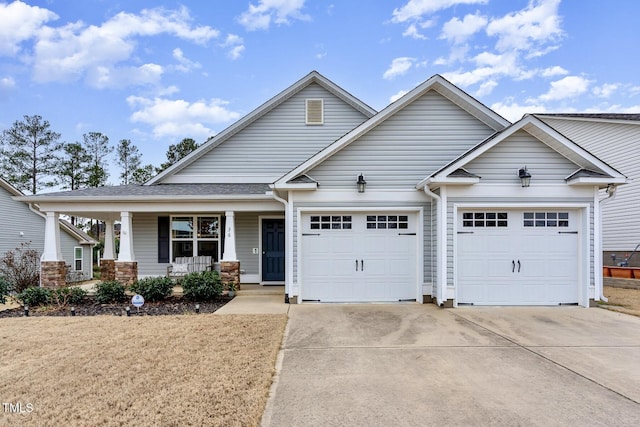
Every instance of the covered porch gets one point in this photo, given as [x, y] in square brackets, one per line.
[160, 223]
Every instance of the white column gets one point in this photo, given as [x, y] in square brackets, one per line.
[126, 238]
[229, 253]
[108, 240]
[52, 250]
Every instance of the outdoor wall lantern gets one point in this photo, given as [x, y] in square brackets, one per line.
[525, 177]
[361, 183]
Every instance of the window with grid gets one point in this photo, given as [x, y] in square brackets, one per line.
[485, 219]
[388, 222]
[195, 236]
[330, 222]
[546, 219]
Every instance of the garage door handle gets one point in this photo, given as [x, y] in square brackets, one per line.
[361, 265]
[356, 265]
[513, 266]
[518, 266]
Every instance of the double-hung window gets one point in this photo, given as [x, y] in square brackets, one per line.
[193, 235]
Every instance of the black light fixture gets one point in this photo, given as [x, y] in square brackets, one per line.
[361, 183]
[525, 177]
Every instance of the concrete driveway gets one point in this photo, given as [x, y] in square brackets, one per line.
[418, 365]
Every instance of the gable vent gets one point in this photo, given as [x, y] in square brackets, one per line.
[315, 112]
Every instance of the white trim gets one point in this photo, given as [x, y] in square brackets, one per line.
[516, 191]
[249, 278]
[308, 101]
[597, 245]
[229, 252]
[418, 211]
[220, 179]
[194, 239]
[260, 232]
[75, 258]
[398, 195]
[584, 262]
[442, 245]
[603, 181]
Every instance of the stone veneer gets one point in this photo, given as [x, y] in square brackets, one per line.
[53, 274]
[107, 269]
[126, 272]
[230, 272]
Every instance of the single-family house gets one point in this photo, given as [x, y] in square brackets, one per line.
[22, 223]
[434, 198]
[614, 138]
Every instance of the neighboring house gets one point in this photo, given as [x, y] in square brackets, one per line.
[24, 223]
[615, 138]
[422, 201]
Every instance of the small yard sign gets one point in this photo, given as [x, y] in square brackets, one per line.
[137, 301]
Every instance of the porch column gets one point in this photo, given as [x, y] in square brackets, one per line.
[126, 266]
[107, 263]
[229, 265]
[53, 271]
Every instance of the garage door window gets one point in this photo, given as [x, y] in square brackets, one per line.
[388, 222]
[330, 222]
[546, 219]
[485, 219]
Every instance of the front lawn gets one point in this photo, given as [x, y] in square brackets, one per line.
[201, 369]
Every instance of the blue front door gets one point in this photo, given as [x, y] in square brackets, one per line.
[273, 250]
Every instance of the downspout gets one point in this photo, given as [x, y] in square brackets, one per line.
[439, 266]
[611, 194]
[288, 253]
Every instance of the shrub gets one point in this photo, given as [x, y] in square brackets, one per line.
[68, 295]
[4, 290]
[34, 295]
[153, 288]
[109, 292]
[203, 286]
[21, 268]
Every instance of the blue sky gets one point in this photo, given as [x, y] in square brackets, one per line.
[156, 72]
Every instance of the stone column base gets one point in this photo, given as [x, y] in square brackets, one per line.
[107, 269]
[126, 272]
[230, 273]
[53, 274]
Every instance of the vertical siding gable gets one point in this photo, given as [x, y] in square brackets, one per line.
[406, 147]
[280, 140]
[501, 163]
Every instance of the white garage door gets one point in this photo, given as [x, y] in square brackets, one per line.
[509, 257]
[358, 257]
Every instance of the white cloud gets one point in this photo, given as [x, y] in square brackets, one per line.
[184, 64]
[412, 31]
[606, 90]
[513, 111]
[235, 44]
[20, 22]
[415, 9]
[179, 117]
[118, 77]
[568, 87]
[76, 50]
[266, 12]
[398, 95]
[527, 29]
[7, 83]
[486, 88]
[456, 54]
[458, 31]
[554, 71]
[398, 67]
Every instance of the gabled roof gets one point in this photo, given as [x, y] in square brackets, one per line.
[599, 170]
[601, 117]
[436, 83]
[211, 143]
[78, 234]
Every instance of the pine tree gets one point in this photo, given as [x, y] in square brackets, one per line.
[128, 159]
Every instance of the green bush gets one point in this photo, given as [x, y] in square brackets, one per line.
[4, 290]
[68, 295]
[153, 288]
[109, 292]
[34, 295]
[203, 286]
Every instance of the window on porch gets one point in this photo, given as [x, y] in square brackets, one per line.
[195, 236]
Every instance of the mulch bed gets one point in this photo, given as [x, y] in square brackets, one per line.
[170, 306]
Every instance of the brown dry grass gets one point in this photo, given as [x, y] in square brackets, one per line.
[623, 300]
[170, 370]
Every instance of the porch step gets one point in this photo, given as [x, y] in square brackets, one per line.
[260, 290]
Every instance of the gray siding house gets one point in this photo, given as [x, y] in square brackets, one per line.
[22, 223]
[615, 138]
[436, 198]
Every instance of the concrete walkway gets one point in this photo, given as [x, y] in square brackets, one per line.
[418, 365]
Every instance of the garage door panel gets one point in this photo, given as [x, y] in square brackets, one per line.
[547, 252]
[386, 268]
